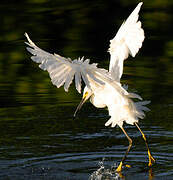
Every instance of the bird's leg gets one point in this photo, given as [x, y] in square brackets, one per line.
[151, 159]
[119, 168]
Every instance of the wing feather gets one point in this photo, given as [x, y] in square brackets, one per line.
[85, 78]
[78, 81]
[63, 70]
[128, 40]
[69, 79]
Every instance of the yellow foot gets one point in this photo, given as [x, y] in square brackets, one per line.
[151, 176]
[119, 168]
[151, 160]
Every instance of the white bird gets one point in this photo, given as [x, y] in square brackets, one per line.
[102, 87]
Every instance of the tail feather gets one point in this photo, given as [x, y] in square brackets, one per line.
[129, 113]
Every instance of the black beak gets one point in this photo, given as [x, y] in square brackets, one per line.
[80, 105]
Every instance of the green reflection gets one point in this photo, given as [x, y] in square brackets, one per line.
[79, 28]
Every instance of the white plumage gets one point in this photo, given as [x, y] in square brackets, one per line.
[102, 87]
[127, 41]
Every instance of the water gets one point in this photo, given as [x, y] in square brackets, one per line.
[39, 139]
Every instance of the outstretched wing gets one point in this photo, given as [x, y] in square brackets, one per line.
[63, 70]
[128, 40]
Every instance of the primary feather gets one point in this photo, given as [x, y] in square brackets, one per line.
[62, 70]
[127, 41]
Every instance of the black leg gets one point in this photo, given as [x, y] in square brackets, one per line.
[151, 159]
[119, 168]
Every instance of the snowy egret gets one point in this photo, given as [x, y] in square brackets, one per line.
[102, 87]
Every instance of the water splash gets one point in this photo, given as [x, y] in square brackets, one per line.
[104, 173]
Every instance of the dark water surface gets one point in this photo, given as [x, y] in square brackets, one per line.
[39, 139]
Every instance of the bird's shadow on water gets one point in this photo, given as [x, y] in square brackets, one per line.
[109, 173]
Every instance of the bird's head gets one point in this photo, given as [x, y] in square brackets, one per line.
[86, 95]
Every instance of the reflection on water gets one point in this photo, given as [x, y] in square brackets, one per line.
[39, 139]
[52, 146]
